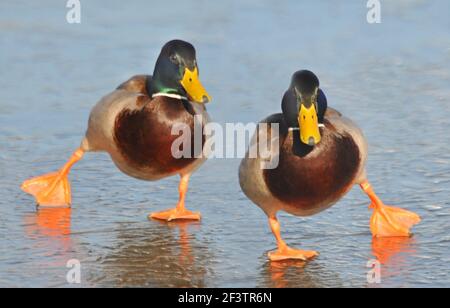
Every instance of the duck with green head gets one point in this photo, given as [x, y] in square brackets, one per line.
[321, 156]
[134, 125]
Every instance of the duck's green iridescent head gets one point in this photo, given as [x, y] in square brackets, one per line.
[176, 72]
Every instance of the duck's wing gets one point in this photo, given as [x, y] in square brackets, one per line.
[252, 167]
[137, 84]
[345, 126]
[271, 130]
[264, 149]
[130, 95]
[331, 113]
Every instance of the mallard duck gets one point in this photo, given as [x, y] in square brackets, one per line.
[134, 125]
[321, 155]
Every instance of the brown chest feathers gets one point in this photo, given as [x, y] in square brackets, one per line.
[144, 137]
[318, 178]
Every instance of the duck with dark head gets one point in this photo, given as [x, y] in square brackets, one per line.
[322, 155]
[134, 125]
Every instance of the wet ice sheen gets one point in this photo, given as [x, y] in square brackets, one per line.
[392, 79]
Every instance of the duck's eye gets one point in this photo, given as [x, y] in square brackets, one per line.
[174, 59]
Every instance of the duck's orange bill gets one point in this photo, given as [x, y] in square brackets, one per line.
[389, 221]
[193, 87]
[53, 189]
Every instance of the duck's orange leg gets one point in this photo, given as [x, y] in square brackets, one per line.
[284, 252]
[53, 189]
[180, 212]
[388, 221]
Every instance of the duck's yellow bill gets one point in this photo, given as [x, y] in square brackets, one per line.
[309, 125]
[193, 87]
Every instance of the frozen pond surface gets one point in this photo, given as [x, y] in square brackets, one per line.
[393, 79]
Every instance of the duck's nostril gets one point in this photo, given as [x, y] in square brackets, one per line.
[311, 141]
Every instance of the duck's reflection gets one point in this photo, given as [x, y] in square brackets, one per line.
[50, 232]
[386, 250]
[49, 222]
[162, 255]
[297, 274]
[392, 253]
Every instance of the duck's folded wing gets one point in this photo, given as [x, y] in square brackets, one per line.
[331, 112]
[345, 126]
[137, 84]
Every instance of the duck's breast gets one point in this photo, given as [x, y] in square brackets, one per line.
[310, 183]
[145, 140]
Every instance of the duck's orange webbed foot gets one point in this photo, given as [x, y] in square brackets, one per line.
[53, 189]
[388, 221]
[284, 252]
[288, 253]
[180, 212]
[176, 214]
